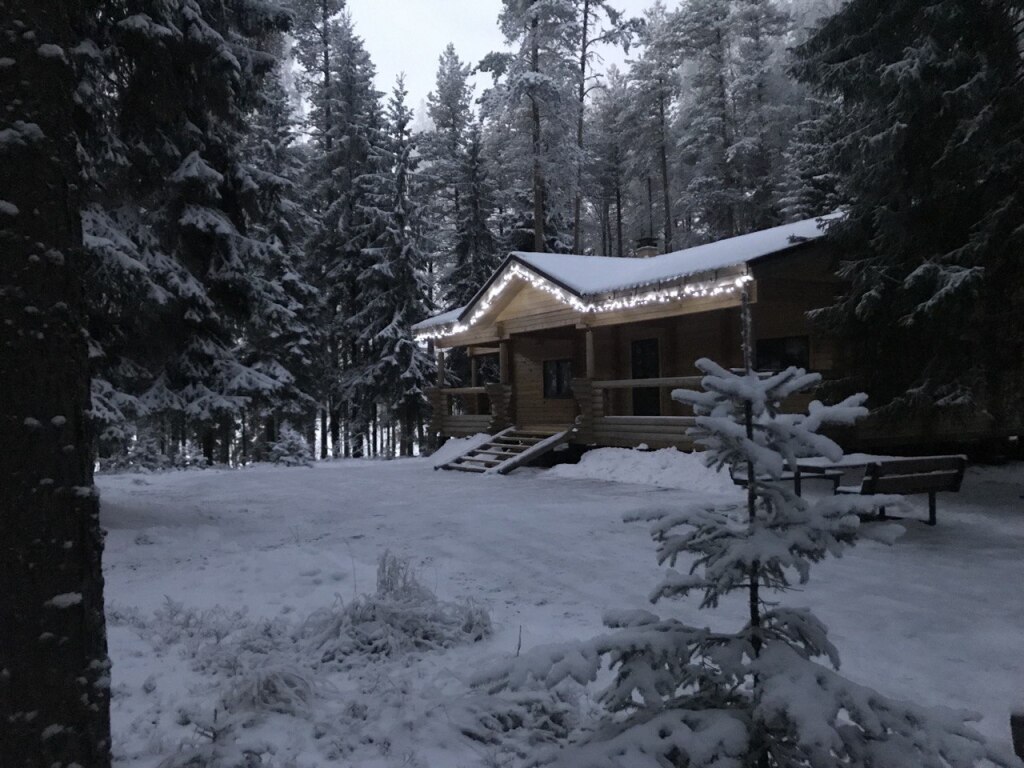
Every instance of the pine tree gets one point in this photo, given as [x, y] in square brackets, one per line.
[596, 23]
[610, 167]
[703, 30]
[450, 112]
[537, 83]
[655, 85]
[764, 116]
[930, 145]
[395, 370]
[54, 669]
[475, 249]
[757, 696]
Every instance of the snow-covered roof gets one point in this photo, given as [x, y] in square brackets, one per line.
[443, 319]
[587, 277]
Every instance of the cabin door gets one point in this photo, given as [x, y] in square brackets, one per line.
[645, 360]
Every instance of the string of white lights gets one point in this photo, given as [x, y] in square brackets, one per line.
[515, 270]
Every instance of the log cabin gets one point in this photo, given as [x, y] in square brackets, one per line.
[587, 349]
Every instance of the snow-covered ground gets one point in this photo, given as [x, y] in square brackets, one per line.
[212, 577]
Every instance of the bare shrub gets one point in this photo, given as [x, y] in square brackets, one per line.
[286, 689]
[402, 616]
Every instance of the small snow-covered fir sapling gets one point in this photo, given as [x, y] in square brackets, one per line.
[756, 697]
[291, 448]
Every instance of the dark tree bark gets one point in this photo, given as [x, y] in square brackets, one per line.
[208, 438]
[665, 190]
[323, 432]
[226, 430]
[577, 203]
[538, 169]
[618, 217]
[54, 670]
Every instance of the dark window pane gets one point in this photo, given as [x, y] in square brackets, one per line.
[779, 354]
[644, 359]
[557, 378]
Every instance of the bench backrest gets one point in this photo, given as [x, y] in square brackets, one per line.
[927, 474]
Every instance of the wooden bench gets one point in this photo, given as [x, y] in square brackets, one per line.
[930, 474]
[802, 473]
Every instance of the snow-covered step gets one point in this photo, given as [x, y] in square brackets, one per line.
[508, 450]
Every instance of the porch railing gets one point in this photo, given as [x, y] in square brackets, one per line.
[598, 425]
[461, 411]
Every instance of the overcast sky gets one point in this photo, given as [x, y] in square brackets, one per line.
[408, 36]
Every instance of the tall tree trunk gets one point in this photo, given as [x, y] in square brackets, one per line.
[577, 204]
[323, 432]
[605, 226]
[728, 215]
[226, 424]
[208, 439]
[666, 192]
[335, 427]
[325, 42]
[54, 669]
[650, 206]
[618, 216]
[538, 170]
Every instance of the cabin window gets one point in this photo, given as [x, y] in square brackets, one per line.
[779, 354]
[488, 369]
[557, 378]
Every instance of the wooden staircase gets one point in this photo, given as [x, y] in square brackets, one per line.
[510, 449]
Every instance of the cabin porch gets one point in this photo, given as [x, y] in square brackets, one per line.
[611, 383]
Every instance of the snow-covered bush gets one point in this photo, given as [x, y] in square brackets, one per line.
[757, 697]
[285, 689]
[144, 454]
[190, 456]
[290, 448]
[402, 616]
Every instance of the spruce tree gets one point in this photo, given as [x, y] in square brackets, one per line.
[170, 206]
[395, 369]
[930, 146]
[758, 96]
[441, 148]
[54, 669]
[282, 338]
[476, 248]
[684, 695]
[811, 180]
[344, 123]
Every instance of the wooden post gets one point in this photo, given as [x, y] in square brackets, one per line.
[504, 362]
[440, 368]
[583, 391]
[473, 372]
[591, 363]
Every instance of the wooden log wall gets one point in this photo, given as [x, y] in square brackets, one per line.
[528, 356]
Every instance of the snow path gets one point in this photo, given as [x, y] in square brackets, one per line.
[937, 619]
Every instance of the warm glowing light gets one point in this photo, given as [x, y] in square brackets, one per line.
[515, 270]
